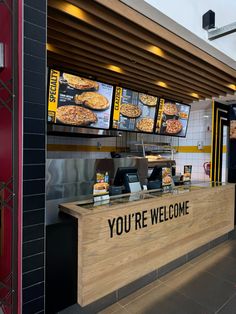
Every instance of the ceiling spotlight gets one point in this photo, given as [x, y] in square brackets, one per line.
[162, 84]
[194, 95]
[232, 86]
[114, 68]
[155, 50]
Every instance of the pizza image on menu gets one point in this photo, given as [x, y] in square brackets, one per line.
[183, 115]
[75, 115]
[80, 83]
[130, 110]
[145, 125]
[173, 126]
[92, 100]
[170, 109]
[148, 100]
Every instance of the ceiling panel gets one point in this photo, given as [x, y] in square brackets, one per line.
[87, 37]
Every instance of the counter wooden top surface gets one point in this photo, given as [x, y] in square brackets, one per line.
[88, 207]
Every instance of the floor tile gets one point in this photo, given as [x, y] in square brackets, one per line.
[165, 300]
[220, 266]
[220, 248]
[137, 284]
[114, 308]
[203, 287]
[138, 293]
[175, 273]
[171, 266]
[121, 311]
[231, 245]
[229, 308]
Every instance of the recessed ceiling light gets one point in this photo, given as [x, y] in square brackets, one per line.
[49, 47]
[162, 84]
[114, 68]
[232, 86]
[73, 10]
[194, 95]
[156, 50]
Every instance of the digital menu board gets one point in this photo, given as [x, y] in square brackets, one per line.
[78, 101]
[134, 111]
[172, 118]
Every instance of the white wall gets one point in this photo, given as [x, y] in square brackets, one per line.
[188, 13]
[199, 129]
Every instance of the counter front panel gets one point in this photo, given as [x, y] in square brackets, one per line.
[123, 241]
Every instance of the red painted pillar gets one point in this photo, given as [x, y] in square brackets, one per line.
[11, 88]
[20, 153]
[6, 151]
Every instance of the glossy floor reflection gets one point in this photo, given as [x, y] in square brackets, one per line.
[206, 284]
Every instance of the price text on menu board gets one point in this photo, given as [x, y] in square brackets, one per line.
[78, 101]
[172, 118]
[134, 111]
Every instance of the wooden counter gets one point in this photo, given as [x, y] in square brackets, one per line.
[122, 241]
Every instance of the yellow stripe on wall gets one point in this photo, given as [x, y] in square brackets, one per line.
[194, 149]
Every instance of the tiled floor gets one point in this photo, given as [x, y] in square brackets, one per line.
[207, 284]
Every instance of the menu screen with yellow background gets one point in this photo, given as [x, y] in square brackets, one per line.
[78, 101]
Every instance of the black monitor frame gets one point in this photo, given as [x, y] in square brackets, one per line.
[156, 174]
[121, 172]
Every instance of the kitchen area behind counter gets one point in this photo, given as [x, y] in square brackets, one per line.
[73, 179]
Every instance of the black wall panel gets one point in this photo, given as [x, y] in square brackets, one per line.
[33, 262]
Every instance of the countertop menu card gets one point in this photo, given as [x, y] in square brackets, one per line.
[78, 101]
[172, 118]
[134, 111]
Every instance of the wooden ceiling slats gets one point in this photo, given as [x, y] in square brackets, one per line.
[121, 49]
[140, 44]
[125, 84]
[119, 78]
[153, 27]
[136, 70]
[129, 78]
[167, 75]
[91, 39]
[135, 33]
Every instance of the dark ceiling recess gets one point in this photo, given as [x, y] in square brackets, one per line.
[87, 37]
